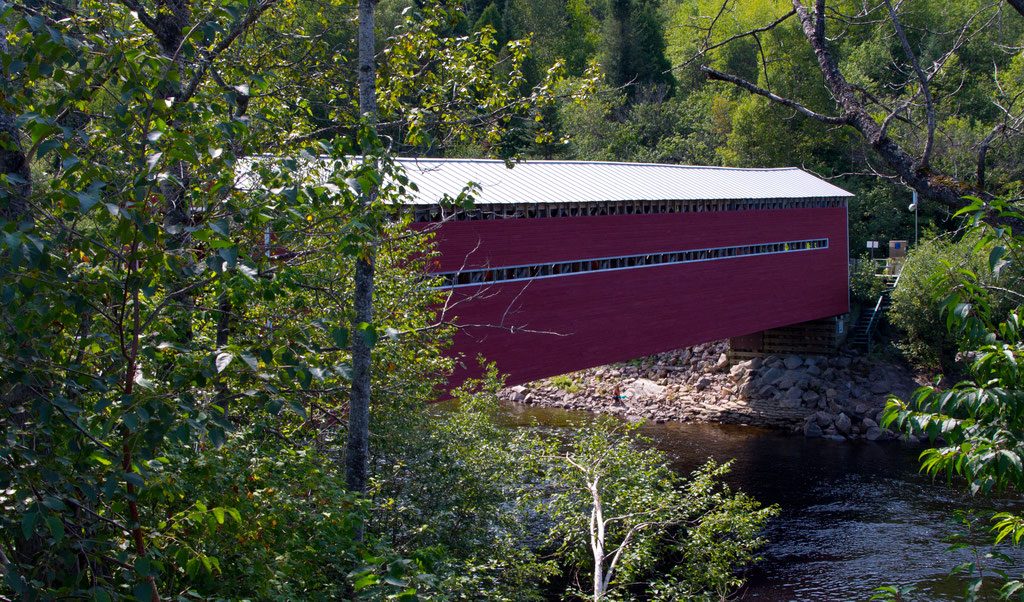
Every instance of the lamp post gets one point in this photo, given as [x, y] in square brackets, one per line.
[913, 207]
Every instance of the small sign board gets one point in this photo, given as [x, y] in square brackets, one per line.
[872, 244]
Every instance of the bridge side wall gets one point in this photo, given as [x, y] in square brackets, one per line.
[548, 326]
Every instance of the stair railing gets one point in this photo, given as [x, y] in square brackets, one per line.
[874, 320]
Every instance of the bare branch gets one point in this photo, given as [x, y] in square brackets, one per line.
[786, 102]
[752, 32]
[254, 13]
[946, 190]
[925, 88]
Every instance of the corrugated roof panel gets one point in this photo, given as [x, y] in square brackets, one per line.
[581, 182]
[530, 182]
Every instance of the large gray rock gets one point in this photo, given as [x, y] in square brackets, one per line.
[812, 430]
[790, 378]
[868, 424]
[737, 372]
[881, 386]
[793, 362]
[823, 418]
[843, 424]
[771, 376]
[874, 434]
[792, 398]
[811, 398]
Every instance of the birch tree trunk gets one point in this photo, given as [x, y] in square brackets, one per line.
[357, 450]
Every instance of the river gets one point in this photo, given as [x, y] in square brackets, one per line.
[854, 515]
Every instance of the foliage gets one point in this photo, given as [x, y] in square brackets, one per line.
[175, 351]
[451, 491]
[439, 92]
[978, 423]
[948, 265]
[619, 512]
[565, 382]
[865, 285]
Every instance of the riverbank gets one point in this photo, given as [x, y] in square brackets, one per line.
[837, 397]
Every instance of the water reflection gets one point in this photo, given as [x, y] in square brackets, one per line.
[855, 515]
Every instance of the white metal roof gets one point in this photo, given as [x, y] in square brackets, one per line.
[586, 181]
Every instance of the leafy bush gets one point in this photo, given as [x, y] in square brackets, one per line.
[865, 286]
[938, 265]
[977, 426]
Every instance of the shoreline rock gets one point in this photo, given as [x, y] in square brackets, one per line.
[835, 397]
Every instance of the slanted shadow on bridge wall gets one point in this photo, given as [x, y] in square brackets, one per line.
[535, 327]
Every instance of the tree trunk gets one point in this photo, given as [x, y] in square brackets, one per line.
[1018, 5]
[357, 450]
[946, 190]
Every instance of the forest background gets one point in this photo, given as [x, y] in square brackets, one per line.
[176, 346]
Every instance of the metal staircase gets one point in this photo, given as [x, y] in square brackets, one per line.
[866, 326]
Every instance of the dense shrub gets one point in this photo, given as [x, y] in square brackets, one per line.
[916, 309]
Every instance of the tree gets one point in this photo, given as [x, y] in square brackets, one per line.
[977, 424]
[116, 391]
[357, 446]
[619, 511]
[191, 244]
[891, 73]
[635, 47]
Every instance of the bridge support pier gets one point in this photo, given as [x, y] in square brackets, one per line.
[817, 337]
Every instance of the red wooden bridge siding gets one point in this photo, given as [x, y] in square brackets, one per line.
[611, 316]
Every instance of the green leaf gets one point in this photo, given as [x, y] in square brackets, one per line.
[47, 146]
[221, 227]
[365, 581]
[218, 513]
[223, 361]
[53, 503]
[217, 436]
[230, 255]
[56, 527]
[28, 523]
[131, 420]
[86, 201]
[340, 336]
[142, 566]
[143, 591]
[369, 334]
[250, 360]
[135, 479]
[995, 255]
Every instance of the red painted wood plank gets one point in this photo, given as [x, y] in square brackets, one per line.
[602, 317]
[475, 244]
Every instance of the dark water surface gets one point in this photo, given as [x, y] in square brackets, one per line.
[854, 515]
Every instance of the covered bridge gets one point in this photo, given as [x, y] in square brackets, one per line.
[567, 265]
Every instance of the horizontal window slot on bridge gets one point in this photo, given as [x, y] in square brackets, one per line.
[521, 273]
